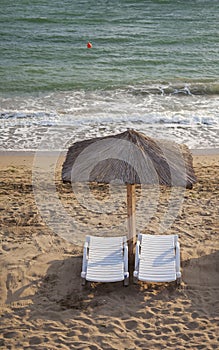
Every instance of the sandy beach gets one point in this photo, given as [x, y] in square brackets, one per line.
[44, 305]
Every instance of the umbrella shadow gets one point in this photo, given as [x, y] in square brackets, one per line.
[108, 259]
[201, 279]
[165, 258]
[202, 271]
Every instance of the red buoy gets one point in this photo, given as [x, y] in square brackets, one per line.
[89, 45]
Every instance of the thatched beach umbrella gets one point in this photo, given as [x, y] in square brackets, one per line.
[130, 158]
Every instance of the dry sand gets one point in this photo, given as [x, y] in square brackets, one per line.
[44, 306]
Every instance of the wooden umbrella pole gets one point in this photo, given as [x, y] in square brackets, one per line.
[131, 221]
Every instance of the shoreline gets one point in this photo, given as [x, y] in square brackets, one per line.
[194, 151]
[21, 158]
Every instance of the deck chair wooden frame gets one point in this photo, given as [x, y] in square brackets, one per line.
[157, 258]
[105, 259]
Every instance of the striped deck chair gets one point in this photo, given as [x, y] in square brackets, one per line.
[157, 258]
[105, 259]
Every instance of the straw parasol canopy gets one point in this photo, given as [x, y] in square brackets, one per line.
[129, 158]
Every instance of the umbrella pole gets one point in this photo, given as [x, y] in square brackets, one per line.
[131, 222]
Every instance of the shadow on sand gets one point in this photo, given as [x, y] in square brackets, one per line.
[61, 291]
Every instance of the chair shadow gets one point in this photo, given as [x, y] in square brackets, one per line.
[61, 290]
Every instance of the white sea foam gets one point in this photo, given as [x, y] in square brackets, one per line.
[186, 118]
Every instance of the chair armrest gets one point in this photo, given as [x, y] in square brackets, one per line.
[126, 260]
[84, 262]
[178, 273]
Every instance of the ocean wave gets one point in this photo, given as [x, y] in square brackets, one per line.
[56, 137]
[154, 104]
[46, 119]
[179, 89]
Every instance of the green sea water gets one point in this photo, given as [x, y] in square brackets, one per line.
[135, 43]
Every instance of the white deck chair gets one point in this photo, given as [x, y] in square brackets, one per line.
[105, 259]
[157, 258]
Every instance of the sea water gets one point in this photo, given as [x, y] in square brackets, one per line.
[153, 67]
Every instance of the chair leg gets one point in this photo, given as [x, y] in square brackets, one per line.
[135, 280]
[83, 281]
[178, 282]
[126, 281]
